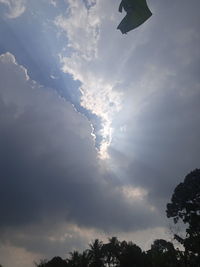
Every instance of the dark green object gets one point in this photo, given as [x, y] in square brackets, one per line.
[137, 13]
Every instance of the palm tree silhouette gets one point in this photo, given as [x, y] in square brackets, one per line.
[96, 254]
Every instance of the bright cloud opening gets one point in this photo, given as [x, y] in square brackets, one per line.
[82, 24]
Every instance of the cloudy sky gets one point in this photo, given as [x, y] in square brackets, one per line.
[96, 128]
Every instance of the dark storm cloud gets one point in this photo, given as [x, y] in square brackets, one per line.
[162, 140]
[50, 176]
[161, 106]
[48, 163]
[169, 131]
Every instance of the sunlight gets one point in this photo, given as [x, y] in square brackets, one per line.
[134, 193]
[106, 133]
[100, 98]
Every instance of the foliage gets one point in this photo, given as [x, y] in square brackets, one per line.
[96, 254]
[78, 260]
[185, 206]
[55, 262]
[119, 254]
[163, 254]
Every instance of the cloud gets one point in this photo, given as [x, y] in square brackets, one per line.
[15, 7]
[82, 24]
[51, 177]
[168, 128]
[145, 86]
[53, 2]
[160, 114]
[111, 71]
[37, 141]
[17, 256]
[82, 28]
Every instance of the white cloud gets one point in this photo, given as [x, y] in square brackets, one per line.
[83, 26]
[134, 193]
[15, 7]
[53, 2]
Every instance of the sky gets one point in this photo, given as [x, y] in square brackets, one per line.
[96, 128]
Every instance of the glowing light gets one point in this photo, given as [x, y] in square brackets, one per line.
[98, 95]
[134, 193]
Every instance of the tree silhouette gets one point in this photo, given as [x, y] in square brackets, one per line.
[75, 259]
[96, 253]
[163, 254]
[131, 255]
[85, 260]
[58, 262]
[55, 262]
[185, 206]
[111, 252]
